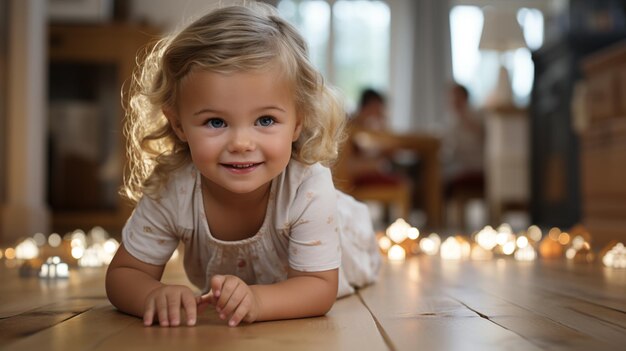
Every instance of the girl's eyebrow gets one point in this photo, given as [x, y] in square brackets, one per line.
[265, 108]
[271, 107]
[206, 110]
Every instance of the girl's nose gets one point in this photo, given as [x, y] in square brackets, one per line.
[241, 141]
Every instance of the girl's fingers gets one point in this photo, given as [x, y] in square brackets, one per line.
[206, 299]
[240, 313]
[216, 284]
[229, 287]
[161, 307]
[203, 301]
[148, 314]
[189, 305]
[236, 297]
[168, 305]
[173, 309]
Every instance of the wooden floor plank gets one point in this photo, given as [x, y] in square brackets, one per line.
[415, 313]
[23, 294]
[33, 321]
[348, 326]
[72, 326]
[535, 310]
[535, 323]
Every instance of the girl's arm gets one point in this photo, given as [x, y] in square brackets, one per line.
[134, 287]
[129, 281]
[303, 294]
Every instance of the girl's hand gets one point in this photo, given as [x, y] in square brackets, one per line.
[232, 298]
[166, 302]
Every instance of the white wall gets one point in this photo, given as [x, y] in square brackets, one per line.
[168, 14]
[24, 210]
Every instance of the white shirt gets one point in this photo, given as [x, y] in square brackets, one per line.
[301, 229]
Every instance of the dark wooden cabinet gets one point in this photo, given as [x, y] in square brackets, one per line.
[89, 66]
[603, 145]
[555, 167]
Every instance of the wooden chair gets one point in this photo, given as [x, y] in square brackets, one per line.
[388, 189]
[460, 191]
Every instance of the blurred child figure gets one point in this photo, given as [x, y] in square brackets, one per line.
[463, 147]
[372, 111]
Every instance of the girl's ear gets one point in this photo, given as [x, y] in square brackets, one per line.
[174, 121]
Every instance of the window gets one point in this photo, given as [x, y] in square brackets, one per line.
[348, 41]
[478, 70]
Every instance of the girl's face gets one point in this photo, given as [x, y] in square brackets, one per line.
[239, 126]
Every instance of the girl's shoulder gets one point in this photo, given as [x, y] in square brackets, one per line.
[302, 180]
[180, 184]
[300, 173]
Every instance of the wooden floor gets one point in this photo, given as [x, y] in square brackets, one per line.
[424, 303]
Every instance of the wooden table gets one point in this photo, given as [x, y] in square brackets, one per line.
[426, 147]
[424, 303]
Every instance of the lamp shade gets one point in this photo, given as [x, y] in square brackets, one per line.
[501, 31]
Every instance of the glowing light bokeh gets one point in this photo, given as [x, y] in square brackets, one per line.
[554, 233]
[615, 257]
[578, 242]
[9, 253]
[384, 243]
[563, 238]
[430, 244]
[54, 240]
[454, 249]
[508, 248]
[40, 239]
[487, 238]
[550, 248]
[396, 253]
[413, 233]
[534, 233]
[526, 253]
[521, 242]
[54, 268]
[398, 231]
[27, 249]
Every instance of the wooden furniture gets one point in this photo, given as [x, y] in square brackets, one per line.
[424, 303]
[555, 176]
[603, 145]
[424, 147]
[396, 194]
[458, 194]
[506, 161]
[555, 181]
[89, 65]
[388, 190]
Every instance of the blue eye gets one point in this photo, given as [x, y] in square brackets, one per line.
[216, 123]
[265, 121]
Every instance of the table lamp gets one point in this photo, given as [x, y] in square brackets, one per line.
[501, 32]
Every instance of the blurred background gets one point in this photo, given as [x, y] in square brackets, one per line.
[541, 82]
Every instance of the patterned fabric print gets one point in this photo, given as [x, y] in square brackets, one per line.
[301, 229]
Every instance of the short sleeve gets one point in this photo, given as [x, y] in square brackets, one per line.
[314, 233]
[149, 234]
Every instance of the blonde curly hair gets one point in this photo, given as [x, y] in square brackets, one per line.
[245, 37]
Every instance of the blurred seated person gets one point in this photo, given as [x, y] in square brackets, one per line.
[372, 111]
[463, 149]
[366, 162]
[364, 169]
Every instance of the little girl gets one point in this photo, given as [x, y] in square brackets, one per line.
[229, 129]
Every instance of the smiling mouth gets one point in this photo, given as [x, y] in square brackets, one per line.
[240, 165]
